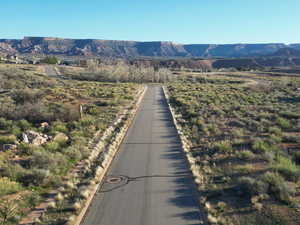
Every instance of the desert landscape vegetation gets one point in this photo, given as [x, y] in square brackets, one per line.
[150, 112]
[243, 129]
[244, 142]
[47, 126]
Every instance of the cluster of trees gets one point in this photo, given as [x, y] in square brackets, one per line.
[120, 71]
[50, 60]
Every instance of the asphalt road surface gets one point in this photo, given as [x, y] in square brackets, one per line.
[149, 182]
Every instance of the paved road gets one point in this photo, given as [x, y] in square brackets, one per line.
[152, 184]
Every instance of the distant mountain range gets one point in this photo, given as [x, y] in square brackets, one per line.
[133, 49]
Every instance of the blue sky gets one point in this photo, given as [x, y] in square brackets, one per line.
[182, 21]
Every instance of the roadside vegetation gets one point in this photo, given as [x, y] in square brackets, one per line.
[50, 60]
[245, 138]
[45, 127]
[118, 71]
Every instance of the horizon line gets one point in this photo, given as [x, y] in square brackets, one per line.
[173, 42]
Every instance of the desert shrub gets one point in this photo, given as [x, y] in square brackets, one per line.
[287, 168]
[32, 200]
[73, 153]
[68, 113]
[245, 155]
[25, 149]
[296, 157]
[27, 95]
[275, 130]
[278, 187]
[238, 132]
[52, 146]
[78, 140]
[86, 122]
[11, 139]
[58, 127]
[10, 210]
[269, 156]
[41, 160]
[32, 112]
[24, 125]
[63, 112]
[33, 177]
[275, 139]
[12, 171]
[5, 124]
[91, 109]
[290, 115]
[50, 60]
[8, 187]
[291, 138]
[213, 129]
[250, 186]
[260, 145]
[56, 163]
[283, 123]
[223, 146]
[53, 181]
[15, 130]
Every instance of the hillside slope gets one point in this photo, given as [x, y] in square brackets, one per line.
[126, 49]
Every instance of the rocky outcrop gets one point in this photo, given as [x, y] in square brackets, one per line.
[34, 138]
[287, 52]
[129, 49]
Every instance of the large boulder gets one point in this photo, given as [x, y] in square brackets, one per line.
[34, 138]
[44, 125]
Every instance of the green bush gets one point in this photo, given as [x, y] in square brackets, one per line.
[33, 177]
[15, 130]
[50, 60]
[5, 124]
[245, 155]
[290, 115]
[275, 130]
[283, 123]
[27, 95]
[287, 168]
[41, 159]
[291, 139]
[32, 200]
[12, 171]
[53, 181]
[250, 186]
[24, 125]
[52, 146]
[26, 149]
[73, 153]
[297, 157]
[223, 146]
[8, 187]
[8, 139]
[259, 146]
[91, 109]
[59, 127]
[278, 187]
